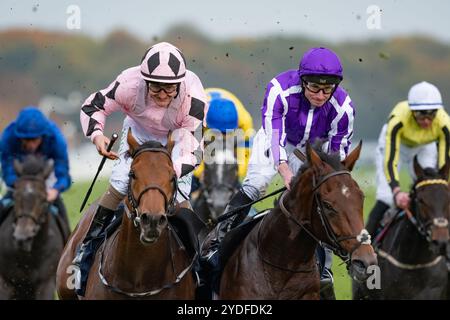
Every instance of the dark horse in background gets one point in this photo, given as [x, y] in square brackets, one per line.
[220, 182]
[277, 258]
[412, 253]
[31, 240]
[143, 258]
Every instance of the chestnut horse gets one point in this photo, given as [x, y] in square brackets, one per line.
[31, 241]
[143, 258]
[413, 251]
[277, 258]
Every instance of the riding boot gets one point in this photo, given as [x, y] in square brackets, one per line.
[62, 211]
[210, 258]
[5, 205]
[238, 200]
[326, 276]
[102, 215]
[375, 217]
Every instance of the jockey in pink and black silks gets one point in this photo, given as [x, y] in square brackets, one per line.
[157, 97]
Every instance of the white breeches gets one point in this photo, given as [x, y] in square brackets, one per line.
[426, 156]
[261, 168]
[121, 167]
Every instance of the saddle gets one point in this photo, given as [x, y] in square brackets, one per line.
[390, 217]
[235, 237]
[227, 247]
[187, 225]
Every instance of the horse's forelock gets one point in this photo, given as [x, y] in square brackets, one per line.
[148, 144]
[332, 159]
[33, 165]
[430, 173]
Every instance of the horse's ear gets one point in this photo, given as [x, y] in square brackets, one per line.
[443, 172]
[312, 156]
[132, 143]
[170, 143]
[300, 155]
[18, 167]
[48, 168]
[417, 168]
[350, 160]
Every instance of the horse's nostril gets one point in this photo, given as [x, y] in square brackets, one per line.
[162, 220]
[144, 218]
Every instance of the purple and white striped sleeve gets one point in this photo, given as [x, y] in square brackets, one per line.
[274, 112]
[341, 128]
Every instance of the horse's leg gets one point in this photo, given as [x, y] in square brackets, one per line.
[66, 271]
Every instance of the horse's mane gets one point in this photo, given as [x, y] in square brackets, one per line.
[33, 165]
[332, 159]
[147, 144]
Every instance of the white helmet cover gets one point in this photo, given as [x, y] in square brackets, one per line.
[424, 96]
[163, 62]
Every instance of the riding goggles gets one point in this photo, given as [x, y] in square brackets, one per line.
[316, 88]
[156, 87]
[425, 114]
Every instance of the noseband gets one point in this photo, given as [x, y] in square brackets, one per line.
[169, 204]
[334, 241]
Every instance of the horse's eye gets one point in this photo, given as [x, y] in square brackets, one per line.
[328, 206]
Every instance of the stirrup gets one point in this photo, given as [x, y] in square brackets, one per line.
[326, 278]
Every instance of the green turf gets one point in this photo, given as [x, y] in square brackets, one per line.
[365, 176]
[73, 198]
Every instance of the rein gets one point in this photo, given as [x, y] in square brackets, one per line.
[421, 229]
[335, 246]
[152, 292]
[134, 216]
[436, 222]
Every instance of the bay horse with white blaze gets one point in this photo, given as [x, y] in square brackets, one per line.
[277, 258]
[143, 258]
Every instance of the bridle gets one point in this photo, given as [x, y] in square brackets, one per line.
[169, 204]
[134, 215]
[334, 242]
[42, 218]
[423, 228]
[414, 217]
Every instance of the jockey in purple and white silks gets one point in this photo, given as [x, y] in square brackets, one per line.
[299, 106]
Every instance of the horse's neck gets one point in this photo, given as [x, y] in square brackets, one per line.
[285, 242]
[407, 245]
[136, 262]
